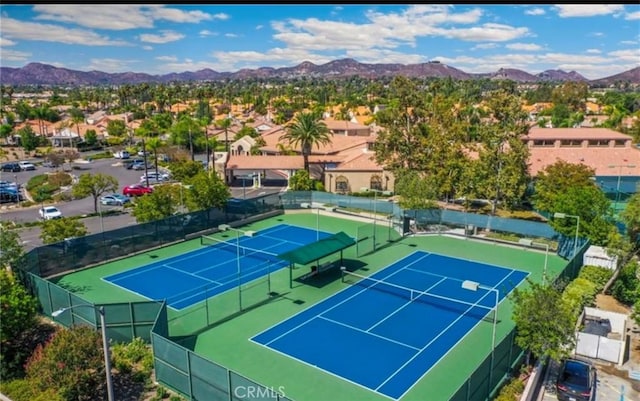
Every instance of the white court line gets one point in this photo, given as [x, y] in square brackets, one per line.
[456, 344]
[366, 332]
[428, 344]
[302, 361]
[327, 310]
[438, 336]
[403, 306]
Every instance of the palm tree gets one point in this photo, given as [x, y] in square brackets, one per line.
[154, 144]
[307, 130]
[224, 124]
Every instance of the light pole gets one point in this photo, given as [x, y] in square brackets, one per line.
[309, 206]
[531, 243]
[473, 286]
[559, 215]
[105, 342]
[226, 227]
[620, 166]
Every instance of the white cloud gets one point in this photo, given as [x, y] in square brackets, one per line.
[596, 34]
[231, 35]
[485, 32]
[6, 42]
[593, 51]
[180, 16]
[524, 46]
[632, 16]
[109, 65]
[205, 32]
[629, 55]
[167, 58]
[221, 16]
[147, 48]
[629, 42]
[535, 11]
[163, 37]
[13, 55]
[15, 29]
[117, 16]
[259, 27]
[587, 10]
[484, 46]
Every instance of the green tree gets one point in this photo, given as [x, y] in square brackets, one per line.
[183, 170]
[72, 363]
[307, 131]
[593, 208]
[626, 289]
[19, 308]
[631, 218]
[300, 181]
[116, 128]
[28, 138]
[416, 192]
[224, 124]
[91, 137]
[207, 191]
[6, 130]
[555, 178]
[159, 204]
[94, 185]
[10, 247]
[544, 321]
[56, 230]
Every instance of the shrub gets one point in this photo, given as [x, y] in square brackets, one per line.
[597, 275]
[135, 356]
[71, 363]
[36, 181]
[580, 293]
[59, 179]
[24, 390]
[511, 391]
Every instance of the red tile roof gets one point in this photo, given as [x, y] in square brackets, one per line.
[598, 158]
[574, 133]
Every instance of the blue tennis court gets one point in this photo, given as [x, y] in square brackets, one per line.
[182, 280]
[387, 330]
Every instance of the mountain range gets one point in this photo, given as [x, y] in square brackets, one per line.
[44, 74]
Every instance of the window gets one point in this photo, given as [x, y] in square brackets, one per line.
[600, 143]
[620, 143]
[342, 184]
[571, 142]
[376, 182]
[543, 142]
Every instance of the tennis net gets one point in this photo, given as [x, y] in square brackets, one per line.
[237, 249]
[411, 294]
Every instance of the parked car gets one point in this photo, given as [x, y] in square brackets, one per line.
[141, 166]
[48, 163]
[25, 165]
[136, 190]
[155, 177]
[114, 199]
[9, 195]
[576, 380]
[11, 167]
[10, 185]
[122, 154]
[128, 164]
[50, 212]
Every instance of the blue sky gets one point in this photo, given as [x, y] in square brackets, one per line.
[595, 40]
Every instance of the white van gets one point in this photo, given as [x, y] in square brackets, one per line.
[122, 154]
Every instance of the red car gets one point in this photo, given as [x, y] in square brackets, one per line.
[136, 190]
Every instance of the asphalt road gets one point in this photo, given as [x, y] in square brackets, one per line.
[31, 235]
